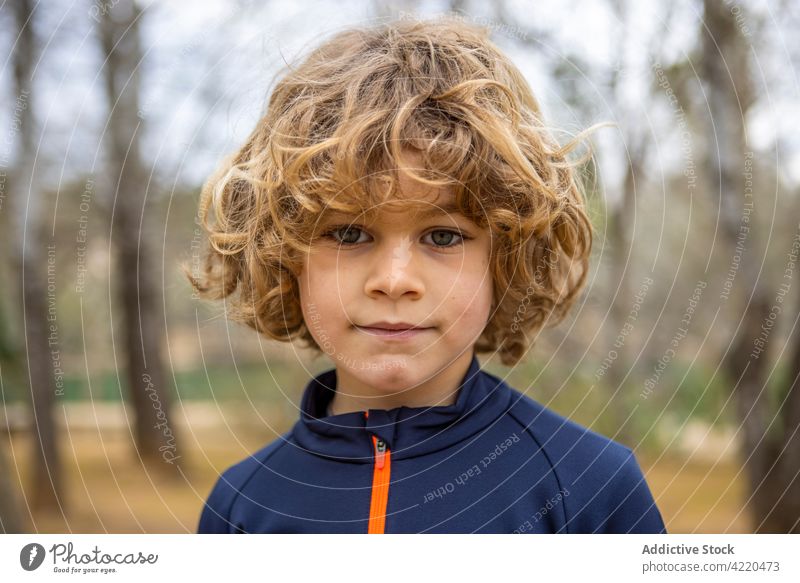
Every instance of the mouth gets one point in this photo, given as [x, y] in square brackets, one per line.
[393, 331]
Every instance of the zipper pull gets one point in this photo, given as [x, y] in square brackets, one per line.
[380, 453]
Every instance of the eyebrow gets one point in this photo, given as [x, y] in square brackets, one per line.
[450, 207]
[428, 211]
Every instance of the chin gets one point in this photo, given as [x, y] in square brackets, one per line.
[388, 372]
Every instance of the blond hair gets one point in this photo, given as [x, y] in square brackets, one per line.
[331, 138]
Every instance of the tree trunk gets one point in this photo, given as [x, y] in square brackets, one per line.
[11, 373]
[770, 454]
[143, 320]
[34, 272]
[786, 476]
[10, 519]
[620, 241]
[776, 491]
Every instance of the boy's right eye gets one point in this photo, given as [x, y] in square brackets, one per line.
[347, 235]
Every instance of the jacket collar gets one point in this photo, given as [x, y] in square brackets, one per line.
[408, 431]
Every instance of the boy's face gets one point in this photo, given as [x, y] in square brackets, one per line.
[408, 262]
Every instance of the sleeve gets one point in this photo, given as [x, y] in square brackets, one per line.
[215, 517]
[630, 505]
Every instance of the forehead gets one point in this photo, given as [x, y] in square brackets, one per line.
[417, 208]
[412, 200]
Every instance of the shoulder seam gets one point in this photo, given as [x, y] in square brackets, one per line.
[261, 462]
[527, 429]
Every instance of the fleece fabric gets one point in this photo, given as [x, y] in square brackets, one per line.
[495, 461]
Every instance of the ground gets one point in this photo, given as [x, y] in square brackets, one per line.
[109, 490]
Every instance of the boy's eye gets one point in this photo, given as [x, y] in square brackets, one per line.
[349, 235]
[442, 238]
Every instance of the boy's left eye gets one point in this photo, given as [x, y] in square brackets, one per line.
[351, 235]
[446, 240]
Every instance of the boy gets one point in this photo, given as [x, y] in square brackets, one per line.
[327, 227]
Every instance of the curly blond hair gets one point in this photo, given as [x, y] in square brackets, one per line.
[331, 138]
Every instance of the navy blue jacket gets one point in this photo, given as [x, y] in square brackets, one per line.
[495, 461]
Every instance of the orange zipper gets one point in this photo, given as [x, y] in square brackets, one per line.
[380, 485]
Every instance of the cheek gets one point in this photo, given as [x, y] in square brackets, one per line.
[320, 298]
[470, 298]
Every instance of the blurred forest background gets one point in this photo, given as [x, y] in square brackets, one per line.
[123, 397]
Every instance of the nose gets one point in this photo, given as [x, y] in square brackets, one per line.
[394, 270]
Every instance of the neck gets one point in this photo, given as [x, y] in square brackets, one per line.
[353, 395]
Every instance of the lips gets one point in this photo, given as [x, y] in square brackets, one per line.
[393, 330]
[393, 326]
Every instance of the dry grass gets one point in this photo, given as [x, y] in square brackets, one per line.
[698, 496]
